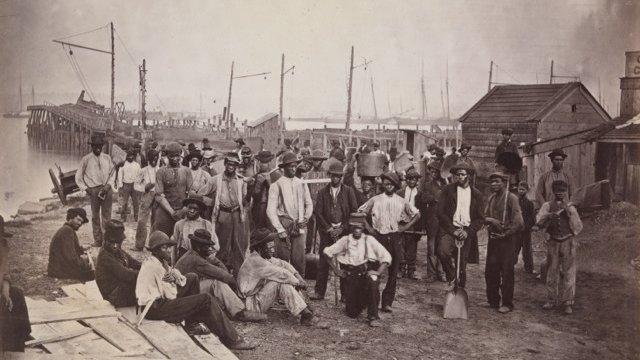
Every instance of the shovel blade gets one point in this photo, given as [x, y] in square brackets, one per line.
[456, 304]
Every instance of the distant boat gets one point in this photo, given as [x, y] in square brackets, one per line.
[20, 114]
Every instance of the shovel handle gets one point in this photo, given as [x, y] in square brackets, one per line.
[459, 245]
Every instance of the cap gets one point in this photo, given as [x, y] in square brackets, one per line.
[114, 231]
[157, 239]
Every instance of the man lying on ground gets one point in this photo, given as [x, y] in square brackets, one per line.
[67, 259]
[175, 297]
[215, 279]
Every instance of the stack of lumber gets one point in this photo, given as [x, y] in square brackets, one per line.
[83, 325]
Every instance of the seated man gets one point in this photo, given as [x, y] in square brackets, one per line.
[67, 259]
[175, 297]
[116, 271]
[360, 260]
[263, 279]
[188, 225]
[215, 279]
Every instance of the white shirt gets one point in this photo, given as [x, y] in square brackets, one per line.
[150, 286]
[94, 171]
[356, 252]
[410, 195]
[387, 212]
[335, 191]
[462, 216]
[147, 176]
[129, 173]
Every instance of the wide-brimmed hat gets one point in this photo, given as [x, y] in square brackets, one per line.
[507, 131]
[97, 139]
[557, 152]
[232, 157]
[201, 236]
[194, 200]
[262, 235]
[318, 154]
[114, 231]
[358, 219]
[196, 154]
[499, 175]
[289, 158]
[264, 156]
[391, 176]
[73, 212]
[412, 173]
[157, 239]
[173, 149]
[208, 154]
[336, 169]
[464, 146]
[2, 232]
[460, 165]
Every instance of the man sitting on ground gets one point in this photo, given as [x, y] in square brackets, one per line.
[116, 271]
[67, 259]
[263, 279]
[362, 260]
[215, 279]
[175, 297]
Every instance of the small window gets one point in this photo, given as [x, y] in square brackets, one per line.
[574, 107]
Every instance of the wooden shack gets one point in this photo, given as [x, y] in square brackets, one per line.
[543, 117]
[266, 127]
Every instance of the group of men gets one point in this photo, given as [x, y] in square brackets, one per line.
[230, 245]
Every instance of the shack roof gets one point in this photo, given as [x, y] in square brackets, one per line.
[523, 103]
[626, 131]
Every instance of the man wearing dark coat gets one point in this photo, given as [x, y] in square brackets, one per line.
[506, 145]
[67, 259]
[116, 271]
[460, 215]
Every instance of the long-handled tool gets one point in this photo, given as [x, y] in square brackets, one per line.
[456, 304]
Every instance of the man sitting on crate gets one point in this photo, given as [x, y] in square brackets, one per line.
[360, 260]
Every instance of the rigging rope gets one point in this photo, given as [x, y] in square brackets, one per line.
[506, 72]
[78, 72]
[84, 32]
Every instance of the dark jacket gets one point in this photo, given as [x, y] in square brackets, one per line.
[528, 213]
[506, 147]
[64, 256]
[421, 205]
[209, 268]
[116, 275]
[346, 199]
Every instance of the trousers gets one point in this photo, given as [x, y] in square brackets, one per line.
[410, 251]
[224, 294]
[233, 242]
[498, 272]
[273, 291]
[523, 241]
[561, 271]
[143, 219]
[434, 267]
[191, 307]
[127, 191]
[292, 250]
[393, 243]
[448, 252]
[361, 292]
[322, 275]
[100, 212]
[161, 220]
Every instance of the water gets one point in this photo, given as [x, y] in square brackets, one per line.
[24, 170]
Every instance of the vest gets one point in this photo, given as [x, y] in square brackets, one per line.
[216, 201]
[559, 229]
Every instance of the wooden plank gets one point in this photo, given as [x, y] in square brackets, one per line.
[41, 312]
[122, 337]
[88, 290]
[57, 337]
[90, 343]
[213, 345]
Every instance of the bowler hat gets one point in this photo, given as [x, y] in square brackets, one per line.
[318, 154]
[289, 158]
[557, 152]
[201, 236]
[157, 239]
[264, 156]
[391, 176]
[194, 200]
[500, 175]
[461, 165]
[193, 155]
[336, 169]
[97, 139]
[357, 219]
[507, 131]
[2, 232]
[114, 231]
[262, 235]
[173, 149]
[73, 212]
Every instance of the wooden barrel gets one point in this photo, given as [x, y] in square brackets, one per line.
[371, 164]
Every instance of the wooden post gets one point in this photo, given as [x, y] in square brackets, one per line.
[490, 75]
[227, 118]
[348, 122]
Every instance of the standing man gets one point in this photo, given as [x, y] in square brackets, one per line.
[127, 176]
[208, 156]
[523, 238]
[412, 195]
[316, 171]
[431, 192]
[192, 222]
[230, 199]
[334, 204]
[360, 260]
[544, 190]
[172, 184]
[506, 145]
[390, 217]
[198, 174]
[146, 186]
[116, 271]
[247, 163]
[67, 259]
[563, 223]
[95, 176]
[289, 199]
[460, 216]
[260, 191]
[504, 219]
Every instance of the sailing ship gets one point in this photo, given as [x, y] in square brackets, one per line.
[21, 113]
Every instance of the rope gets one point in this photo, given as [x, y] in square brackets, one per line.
[126, 49]
[82, 80]
[84, 32]
[506, 72]
[77, 65]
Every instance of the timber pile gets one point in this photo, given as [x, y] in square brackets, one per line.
[83, 325]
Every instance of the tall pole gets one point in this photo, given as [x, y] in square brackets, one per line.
[348, 123]
[113, 78]
[373, 96]
[551, 74]
[143, 94]
[281, 119]
[423, 95]
[33, 95]
[20, 93]
[490, 75]
[228, 117]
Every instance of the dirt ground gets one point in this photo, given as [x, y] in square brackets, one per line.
[604, 324]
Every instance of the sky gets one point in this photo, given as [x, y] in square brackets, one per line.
[189, 47]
